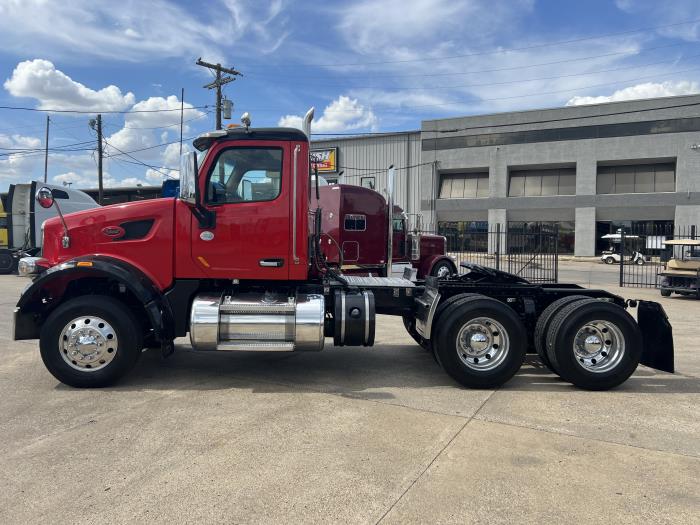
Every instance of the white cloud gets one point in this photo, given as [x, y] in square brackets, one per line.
[138, 31]
[160, 123]
[18, 166]
[342, 114]
[640, 91]
[39, 79]
[677, 18]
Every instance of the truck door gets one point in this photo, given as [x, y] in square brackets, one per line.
[248, 188]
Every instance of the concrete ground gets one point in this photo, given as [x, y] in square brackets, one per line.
[348, 435]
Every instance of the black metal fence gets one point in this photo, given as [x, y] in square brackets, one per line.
[642, 253]
[531, 253]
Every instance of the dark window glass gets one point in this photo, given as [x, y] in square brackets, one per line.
[446, 188]
[464, 186]
[665, 178]
[368, 182]
[245, 175]
[567, 182]
[355, 222]
[636, 178]
[516, 188]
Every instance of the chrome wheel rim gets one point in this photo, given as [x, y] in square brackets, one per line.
[482, 344]
[443, 271]
[599, 346]
[88, 343]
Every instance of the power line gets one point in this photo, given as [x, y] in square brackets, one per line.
[151, 147]
[519, 81]
[492, 70]
[161, 127]
[88, 112]
[497, 51]
[134, 158]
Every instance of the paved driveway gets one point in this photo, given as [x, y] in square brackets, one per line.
[346, 435]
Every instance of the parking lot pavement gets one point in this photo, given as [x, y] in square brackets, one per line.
[346, 435]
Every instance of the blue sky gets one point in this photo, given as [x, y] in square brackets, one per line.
[378, 65]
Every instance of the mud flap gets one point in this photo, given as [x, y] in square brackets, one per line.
[657, 335]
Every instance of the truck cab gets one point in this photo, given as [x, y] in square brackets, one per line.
[355, 236]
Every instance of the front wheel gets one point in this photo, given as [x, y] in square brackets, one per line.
[609, 260]
[90, 341]
[442, 270]
[480, 342]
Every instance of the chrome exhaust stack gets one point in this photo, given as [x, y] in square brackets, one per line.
[306, 127]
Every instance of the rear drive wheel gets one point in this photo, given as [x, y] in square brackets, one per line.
[595, 345]
[609, 260]
[543, 322]
[90, 341]
[665, 293]
[442, 269]
[481, 342]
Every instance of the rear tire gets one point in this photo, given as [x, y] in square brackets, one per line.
[542, 326]
[595, 345]
[90, 341]
[665, 293]
[480, 342]
[609, 260]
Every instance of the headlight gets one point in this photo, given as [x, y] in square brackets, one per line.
[28, 266]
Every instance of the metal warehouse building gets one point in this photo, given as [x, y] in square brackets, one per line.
[587, 170]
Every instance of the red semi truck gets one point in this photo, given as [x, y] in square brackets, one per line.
[355, 235]
[236, 262]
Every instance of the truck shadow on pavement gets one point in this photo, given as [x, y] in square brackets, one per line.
[374, 373]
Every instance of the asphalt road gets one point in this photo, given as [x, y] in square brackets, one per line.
[347, 435]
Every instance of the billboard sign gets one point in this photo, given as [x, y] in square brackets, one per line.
[326, 160]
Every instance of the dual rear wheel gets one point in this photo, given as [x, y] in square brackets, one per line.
[481, 342]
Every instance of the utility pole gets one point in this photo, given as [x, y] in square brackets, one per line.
[46, 151]
[182, 114]
[100, 193]
[220, 81]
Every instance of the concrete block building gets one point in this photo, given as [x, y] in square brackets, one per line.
[586, 169]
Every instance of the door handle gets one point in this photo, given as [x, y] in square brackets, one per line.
[271, 263]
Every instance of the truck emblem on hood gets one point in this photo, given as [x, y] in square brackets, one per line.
[206, 235]
[114, 232]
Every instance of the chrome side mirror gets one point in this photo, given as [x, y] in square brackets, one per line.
[188, 178]
[44, 196]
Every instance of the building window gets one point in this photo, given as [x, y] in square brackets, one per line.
[355, 222]
[535, 236]
[542, 182]
[637, 178]
[464, 186]
[368, 182]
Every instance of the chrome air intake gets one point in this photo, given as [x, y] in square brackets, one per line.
[257, 321]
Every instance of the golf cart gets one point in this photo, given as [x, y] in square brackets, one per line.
[681, 274]
[613, 256]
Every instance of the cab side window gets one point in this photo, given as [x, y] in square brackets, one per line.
[245, 175]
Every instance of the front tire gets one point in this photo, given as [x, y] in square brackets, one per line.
[609, 260]
[594, 344]
[442, 270]
[481, 342]
[665, 293]
[90, 341]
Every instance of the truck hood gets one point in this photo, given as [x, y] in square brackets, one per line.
[106, 229]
